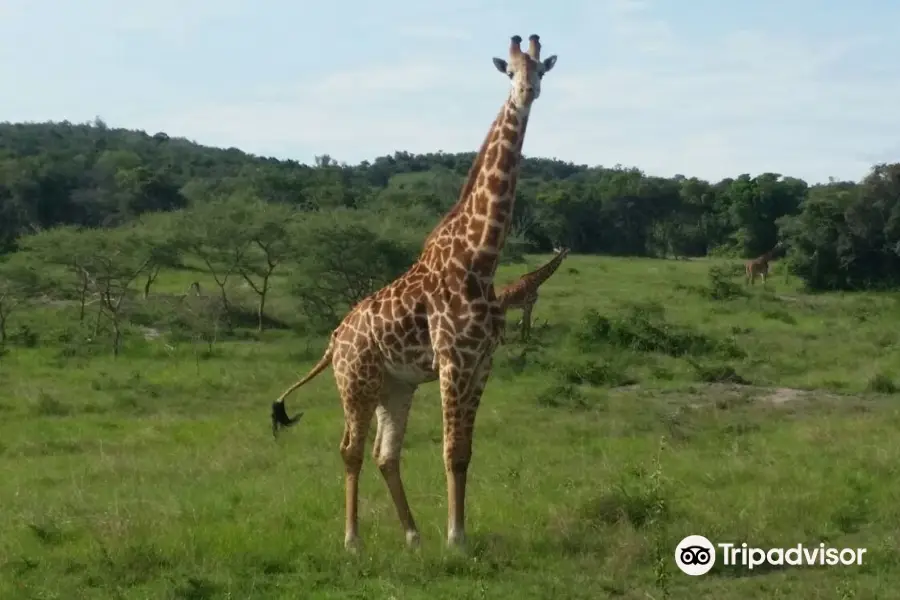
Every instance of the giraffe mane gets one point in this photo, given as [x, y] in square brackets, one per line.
[467, 187]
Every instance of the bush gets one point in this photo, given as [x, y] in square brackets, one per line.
[343, 258]
[643, 328]
[721, 284]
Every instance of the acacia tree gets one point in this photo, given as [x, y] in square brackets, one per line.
[118, 259]
[99, 262]
[270, 238]
[159, 243]
[218, 233]
[342, 258]
[61, 247]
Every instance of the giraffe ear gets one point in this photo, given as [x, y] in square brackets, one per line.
[500, 64]
[549, 62]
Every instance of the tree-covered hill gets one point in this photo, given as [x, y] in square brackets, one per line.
[837, 235]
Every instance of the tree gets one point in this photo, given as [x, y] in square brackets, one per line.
[847, 235]
[61, 247]
[117, 259]
[270, 235]
[342, 259]
[218, 233]
[19, 283]
[159, 241]
[97, 262]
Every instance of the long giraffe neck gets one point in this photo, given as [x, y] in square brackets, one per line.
[524, 290]
[477, 226]
[542, 274]
[769, 255]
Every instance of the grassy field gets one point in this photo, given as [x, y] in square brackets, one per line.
[654, 402]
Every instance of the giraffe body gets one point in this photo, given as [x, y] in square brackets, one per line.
[441, 320]
[759, 266]
[523, 293]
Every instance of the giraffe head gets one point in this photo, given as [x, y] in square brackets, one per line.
[525, 70]
[560, 249]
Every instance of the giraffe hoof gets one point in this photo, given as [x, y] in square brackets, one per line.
[352, 545]
[456, 540]
[413, 540]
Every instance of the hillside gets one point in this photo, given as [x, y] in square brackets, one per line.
[93, 175]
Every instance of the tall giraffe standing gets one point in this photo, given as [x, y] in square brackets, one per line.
[759, 266]
[523, 292]
[440, 320]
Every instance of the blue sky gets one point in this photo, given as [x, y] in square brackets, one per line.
[712, 89]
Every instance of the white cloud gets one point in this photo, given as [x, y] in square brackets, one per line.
[625, 7]
[353, 115]
[175, 21]
[433, 32]
[10, 9]
[135, 15]
[632, 27]
[166, 14]
[361, 84]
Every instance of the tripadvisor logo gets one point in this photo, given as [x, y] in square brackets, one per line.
[696, 555]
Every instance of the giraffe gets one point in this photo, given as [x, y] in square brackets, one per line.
[760, 265]
[523, 292]
[440, 320]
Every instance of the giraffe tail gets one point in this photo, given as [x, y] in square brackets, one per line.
[280, 417]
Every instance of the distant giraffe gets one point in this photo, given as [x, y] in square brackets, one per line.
[523, 293]
[759, 266]
[440, 320]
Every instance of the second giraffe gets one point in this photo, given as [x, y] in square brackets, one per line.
[523, 293]
[759, 266]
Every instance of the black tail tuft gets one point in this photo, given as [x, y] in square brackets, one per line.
[280, 418]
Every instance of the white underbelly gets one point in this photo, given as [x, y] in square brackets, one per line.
[411, 373]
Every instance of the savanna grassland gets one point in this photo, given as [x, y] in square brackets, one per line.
[656, 399]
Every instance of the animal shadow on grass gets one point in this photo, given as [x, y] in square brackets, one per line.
[489, 554]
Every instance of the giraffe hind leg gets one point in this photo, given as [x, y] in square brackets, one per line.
[392, 414]
[359, 398]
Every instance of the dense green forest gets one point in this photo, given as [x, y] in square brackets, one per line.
[118, 204]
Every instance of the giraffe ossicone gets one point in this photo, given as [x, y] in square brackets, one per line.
[440, 320]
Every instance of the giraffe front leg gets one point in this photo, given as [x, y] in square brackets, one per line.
[461, 391]
[392, 414]
[526, 321]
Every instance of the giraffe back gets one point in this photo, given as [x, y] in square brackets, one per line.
[518, 294]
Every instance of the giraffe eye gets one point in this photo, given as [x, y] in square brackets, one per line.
[509, 74]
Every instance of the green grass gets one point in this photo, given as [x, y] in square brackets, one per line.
[600, 444]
